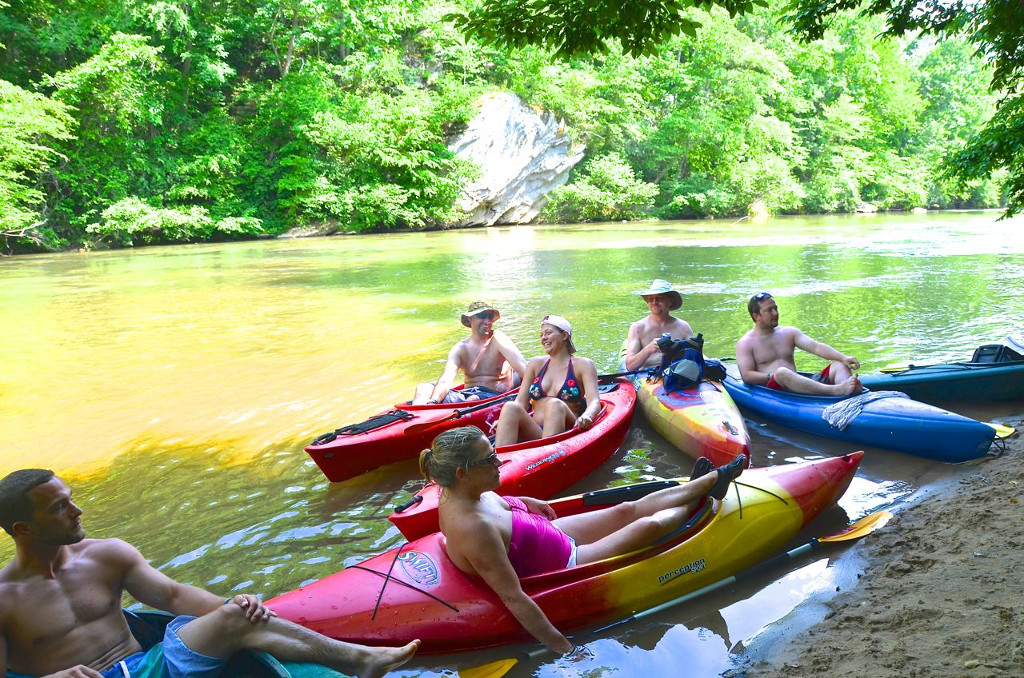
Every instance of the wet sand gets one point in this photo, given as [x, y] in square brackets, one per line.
[939, 589]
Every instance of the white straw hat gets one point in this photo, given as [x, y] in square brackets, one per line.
[660, 286]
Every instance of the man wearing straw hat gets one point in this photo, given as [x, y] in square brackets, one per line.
[487, 359]
[642, 342]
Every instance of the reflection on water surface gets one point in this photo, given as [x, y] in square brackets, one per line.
[175, 387]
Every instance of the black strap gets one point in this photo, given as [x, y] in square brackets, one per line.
[370, 424]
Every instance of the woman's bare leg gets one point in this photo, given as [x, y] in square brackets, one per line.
[638, 534]
[591, 527]
[557, 416]
[515, 425]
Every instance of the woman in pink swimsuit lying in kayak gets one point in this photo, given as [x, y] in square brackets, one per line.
[501, 539]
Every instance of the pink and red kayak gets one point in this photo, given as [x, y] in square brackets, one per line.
[397, 434]
[416, 592]
[540, 468]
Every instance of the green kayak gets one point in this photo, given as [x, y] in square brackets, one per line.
[952, 382]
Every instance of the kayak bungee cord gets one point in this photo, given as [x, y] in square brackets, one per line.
[387, 578]
[766, 491]
[405, 584]
[754, 487]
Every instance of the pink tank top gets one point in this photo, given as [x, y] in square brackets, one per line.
[536, 546]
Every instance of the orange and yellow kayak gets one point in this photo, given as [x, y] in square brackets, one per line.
[702, 421]
[416, 592]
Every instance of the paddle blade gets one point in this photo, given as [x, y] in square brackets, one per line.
[417, 429]
[905, 367]
[865, 525]
[1002, 431]
[492, 670]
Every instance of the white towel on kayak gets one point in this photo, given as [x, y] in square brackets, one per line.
[1015, 344]
[839, 415]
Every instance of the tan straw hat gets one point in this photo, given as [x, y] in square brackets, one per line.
[562, 324]
[660, 286]
[476, 308]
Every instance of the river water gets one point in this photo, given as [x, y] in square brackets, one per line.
[175, 387]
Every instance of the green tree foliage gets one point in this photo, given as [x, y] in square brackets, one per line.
[578, 27]
[996, 29]
[30, 127]
[608, 190]
[149, 121]
[131, 222]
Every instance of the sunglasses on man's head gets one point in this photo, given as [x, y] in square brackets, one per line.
[761, 296]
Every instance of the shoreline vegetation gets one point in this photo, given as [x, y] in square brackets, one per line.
[229, 122]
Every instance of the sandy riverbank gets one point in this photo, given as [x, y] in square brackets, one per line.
[941, 588]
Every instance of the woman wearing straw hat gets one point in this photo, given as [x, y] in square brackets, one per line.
[562, 389]
[642, 341]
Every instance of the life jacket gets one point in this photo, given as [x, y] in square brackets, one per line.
[682, 362]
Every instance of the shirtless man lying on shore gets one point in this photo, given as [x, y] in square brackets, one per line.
[60, 605]
[765, 356]
[489, 360]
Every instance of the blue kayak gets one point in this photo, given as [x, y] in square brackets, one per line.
[893, 423]
[953, 382]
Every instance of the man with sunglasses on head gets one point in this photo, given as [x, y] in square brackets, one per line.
[489, 360]
[765, 356]
[642, 341]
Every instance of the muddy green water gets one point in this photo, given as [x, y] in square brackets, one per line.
[176, 387]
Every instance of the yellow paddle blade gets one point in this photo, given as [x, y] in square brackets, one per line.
[1002, 431]
[865, 525]
[492, 670]
[903, 367]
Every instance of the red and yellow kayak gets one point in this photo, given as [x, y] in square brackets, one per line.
[416, 592]
[398, 433]
[540, 468]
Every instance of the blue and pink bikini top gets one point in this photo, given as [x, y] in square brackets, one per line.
[570, 393]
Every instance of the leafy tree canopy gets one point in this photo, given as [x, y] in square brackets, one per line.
[576, 27]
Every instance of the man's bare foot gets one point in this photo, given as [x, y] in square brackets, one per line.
[849, 387]
[381, 660]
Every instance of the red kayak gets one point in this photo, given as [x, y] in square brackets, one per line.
[540, 468]
[415, 591]
[397, 434]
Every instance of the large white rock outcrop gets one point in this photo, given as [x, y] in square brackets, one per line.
[523, 155]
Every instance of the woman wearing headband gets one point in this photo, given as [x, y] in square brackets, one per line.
[560, 389]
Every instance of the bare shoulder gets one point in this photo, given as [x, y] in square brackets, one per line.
[746, 340]
[681, 325]
[468, 527]
[503, 340]
[582, 364]
[111, 548]
[788, 332]
[112, 555]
